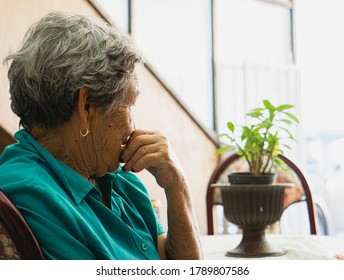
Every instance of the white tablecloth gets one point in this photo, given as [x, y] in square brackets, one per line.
[307, 247]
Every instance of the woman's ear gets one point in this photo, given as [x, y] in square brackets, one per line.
[83, 108]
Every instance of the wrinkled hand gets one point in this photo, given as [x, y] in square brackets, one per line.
[152, 151]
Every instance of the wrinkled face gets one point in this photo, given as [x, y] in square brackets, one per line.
[113, 131]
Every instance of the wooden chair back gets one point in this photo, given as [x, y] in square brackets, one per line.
[16, 238]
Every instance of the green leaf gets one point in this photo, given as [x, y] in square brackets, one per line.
[286, 146]
[292, 116]
[284, 107]
[268, 105]
[285, 121]
[224, 149]
[254, 114]
[260, 109]
[225, 135]
[230, 126]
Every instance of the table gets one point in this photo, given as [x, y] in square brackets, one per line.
[305, 247]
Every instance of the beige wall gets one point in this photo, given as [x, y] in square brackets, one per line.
[155, 109]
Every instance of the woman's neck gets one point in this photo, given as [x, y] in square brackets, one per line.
[65, 144]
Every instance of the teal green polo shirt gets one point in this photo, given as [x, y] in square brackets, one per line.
[65, 212]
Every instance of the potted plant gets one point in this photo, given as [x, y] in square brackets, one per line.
[260, 142]
[252, 204]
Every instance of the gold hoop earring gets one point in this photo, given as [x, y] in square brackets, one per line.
[84, 134]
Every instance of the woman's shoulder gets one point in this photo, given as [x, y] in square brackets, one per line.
[23, 172]
[15, 166]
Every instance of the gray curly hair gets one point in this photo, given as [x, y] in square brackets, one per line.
[60, 55]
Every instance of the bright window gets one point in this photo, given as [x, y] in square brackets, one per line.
[175, 36]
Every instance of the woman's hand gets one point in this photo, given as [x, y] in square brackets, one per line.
[152, 151]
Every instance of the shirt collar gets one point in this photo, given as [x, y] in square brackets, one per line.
[76, 185]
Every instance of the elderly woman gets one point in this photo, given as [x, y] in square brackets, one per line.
[73, 84]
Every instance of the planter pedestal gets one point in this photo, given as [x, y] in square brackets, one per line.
[254, 244]
[253, 208]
